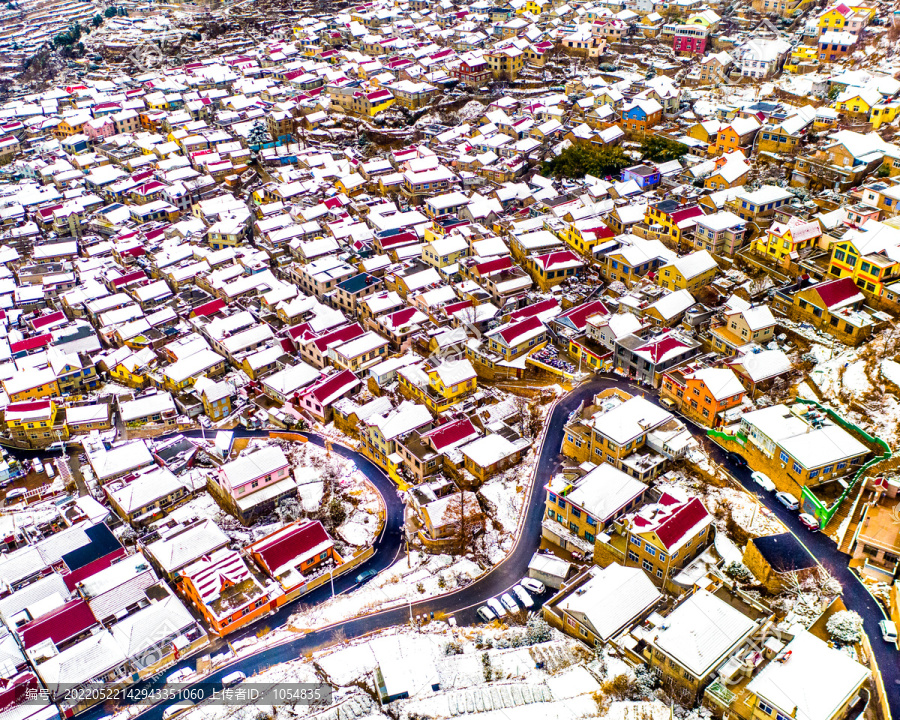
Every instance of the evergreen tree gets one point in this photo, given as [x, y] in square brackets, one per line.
[258, 134]
[582, 159]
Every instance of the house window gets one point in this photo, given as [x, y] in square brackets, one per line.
[647, 566]
[796, 467]
[636, 541]
[783, 456]
[651, 550]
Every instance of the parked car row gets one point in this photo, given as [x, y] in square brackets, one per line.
[518, 598]
[786, 499]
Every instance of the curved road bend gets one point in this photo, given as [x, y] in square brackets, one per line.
[462, 603]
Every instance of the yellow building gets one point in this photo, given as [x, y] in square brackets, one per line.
[584, 235]
[870, 271]
[783, 243]
[132, 371]
[438, 388]
[505, 63]
[883, 113]
[669, 214]
[33, 385]
[857, 104]
[689, 272]
[845, 18]
[801, 55]
[37, 422]
[826, 119]
[445, 251]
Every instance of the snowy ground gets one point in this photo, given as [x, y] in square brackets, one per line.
[423, 575]
[861, 383]
[454, 659]
[749, 514]
[310, 464]
[407, 580]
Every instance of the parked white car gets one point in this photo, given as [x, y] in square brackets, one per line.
[888, 631]
[486, 614]
[522, 596]
[788, 500]
[763, 481]
[496, 607]
[233, 679]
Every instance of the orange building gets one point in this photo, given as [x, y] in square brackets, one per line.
[640, 115]
[297, 557]
[223, 589]
[702, 394]
[739, 134]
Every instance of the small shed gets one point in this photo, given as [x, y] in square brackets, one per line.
[549, 569]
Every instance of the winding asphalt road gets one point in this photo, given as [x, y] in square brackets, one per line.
[462, 603]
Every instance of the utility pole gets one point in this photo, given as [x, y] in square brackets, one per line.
[755, 509]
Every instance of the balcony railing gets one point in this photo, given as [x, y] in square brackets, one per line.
[720, 694]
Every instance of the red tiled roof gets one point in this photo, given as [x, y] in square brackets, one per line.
[289, 545]
[659, 347]
[492, 266]
[213, 306]
[563, 257]
[40, 322]
[510, 334]
[456, 307]
[536, 309]
[449, 434]
[578, 315]
[129, 278]
[28, 406]
[400, 318]
[297, 331]
[686, 213]
[835, 292]
[32, 343]
[17, 691]
[601, 231]
[404, 238]
[344, 334]
[59, 625]
[332, 387]
[682, 520]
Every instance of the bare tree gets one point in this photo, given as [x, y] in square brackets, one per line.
[465, 523]
[522, 410]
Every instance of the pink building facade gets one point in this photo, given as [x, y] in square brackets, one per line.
[690, 39]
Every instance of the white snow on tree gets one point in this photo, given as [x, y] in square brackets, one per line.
[738, 571]
[258, 134]
[845, 627]
[537, 630]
